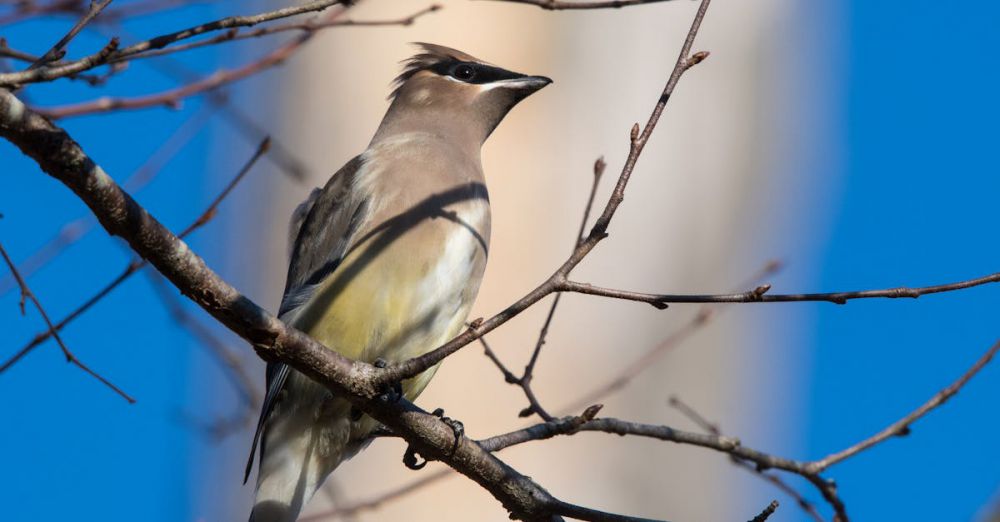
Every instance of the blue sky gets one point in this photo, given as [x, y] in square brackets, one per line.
[917, 205]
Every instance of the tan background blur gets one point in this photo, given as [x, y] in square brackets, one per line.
[696, 218]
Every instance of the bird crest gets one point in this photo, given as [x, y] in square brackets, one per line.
[430, 55]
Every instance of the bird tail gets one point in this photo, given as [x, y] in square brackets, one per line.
[294, 463]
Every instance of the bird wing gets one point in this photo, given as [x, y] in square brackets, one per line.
[320, 233]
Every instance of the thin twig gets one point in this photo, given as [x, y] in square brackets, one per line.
[902, 426]
[92, 79]
[732, 446]
[173, 97]
[524, 381]
[766, 514]
[136, 264]
[760, 295]
[307, 27]
[729, 445]
[774, 479]
[26, 293]
[234, 115]
[701, 318]
[73, 67]
[213, 207]
[59, 49]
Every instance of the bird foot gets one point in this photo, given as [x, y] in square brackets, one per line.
[410, 459]
[393, 392]
[390, 394]
[456, 426]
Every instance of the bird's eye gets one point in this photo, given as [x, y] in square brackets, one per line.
[463, 72]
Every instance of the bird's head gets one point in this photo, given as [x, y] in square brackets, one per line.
[444, 87]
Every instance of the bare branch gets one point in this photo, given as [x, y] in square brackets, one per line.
[701, 318]
[59, 49]
[213, 207]
[583, 513]
[83, 64]
[26, 293]
[524, 381]
[729, 445]
[774, 479]
[766, 514]
[902, 426]
[135, 265]
[173, 97]
[92, 79]
[760, 295]
[41, 337]
[306, 27]
[234, 115]
[732, 446]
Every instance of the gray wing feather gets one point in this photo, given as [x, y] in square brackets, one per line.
[320, 233]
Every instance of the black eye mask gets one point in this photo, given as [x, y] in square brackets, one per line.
[471, 72]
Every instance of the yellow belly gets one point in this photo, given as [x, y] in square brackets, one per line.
[398, 299]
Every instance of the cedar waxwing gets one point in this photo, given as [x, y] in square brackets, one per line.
[386, 261]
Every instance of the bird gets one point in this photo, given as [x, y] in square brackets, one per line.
[386, 261]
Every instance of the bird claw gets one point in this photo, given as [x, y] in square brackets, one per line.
[456, 426]
[394, 392]
[410, 459]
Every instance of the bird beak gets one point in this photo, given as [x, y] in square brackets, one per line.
[528, 84]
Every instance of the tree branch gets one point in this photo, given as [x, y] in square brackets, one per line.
[26, 293]
[135, 265]
[173, 97]
[524, 381]
[766, 514]
[773, 478]
[902, 426]
[306, 27]
[760, 295]
[59, 49]
[701, 318]
[108, 54]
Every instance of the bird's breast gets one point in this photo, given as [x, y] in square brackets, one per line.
[407, 285]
